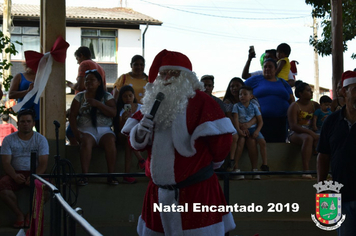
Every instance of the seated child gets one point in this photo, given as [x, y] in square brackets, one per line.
[244, 111]
[283, 65]
[321, 113]
[127, 106]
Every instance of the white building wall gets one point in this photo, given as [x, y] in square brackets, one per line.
[129, 44]
[73, 37]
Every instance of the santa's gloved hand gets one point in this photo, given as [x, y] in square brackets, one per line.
[144, 127]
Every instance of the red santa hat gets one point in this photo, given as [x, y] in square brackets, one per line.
[168, 60]
[348, 77]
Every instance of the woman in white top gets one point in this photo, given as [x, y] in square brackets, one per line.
[90, 118]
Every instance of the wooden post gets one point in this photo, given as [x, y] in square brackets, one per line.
[337, 44]
[53, 24]
[316, 63]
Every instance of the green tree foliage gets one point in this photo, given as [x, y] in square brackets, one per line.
[322, 10]
[9, 47]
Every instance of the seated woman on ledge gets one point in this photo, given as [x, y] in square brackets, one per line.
[300, 116]
[91, 118]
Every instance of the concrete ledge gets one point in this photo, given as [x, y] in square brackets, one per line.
[280, 157]
[98, 161]
[108, 207]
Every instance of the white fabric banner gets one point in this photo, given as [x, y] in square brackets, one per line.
[43, 72]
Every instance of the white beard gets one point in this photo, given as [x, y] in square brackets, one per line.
[176, 98]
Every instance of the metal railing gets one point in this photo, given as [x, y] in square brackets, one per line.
[74, 218]
[58, 203]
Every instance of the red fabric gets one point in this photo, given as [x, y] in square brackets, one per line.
[36, 225]
[168, 58]
[58, 52]
[215, 148]
[8, 183]
[33, 59]
[6, 129]
[293, 67]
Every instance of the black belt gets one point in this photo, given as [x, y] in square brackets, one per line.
[202, 174]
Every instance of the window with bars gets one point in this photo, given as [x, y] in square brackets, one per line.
[102, 44]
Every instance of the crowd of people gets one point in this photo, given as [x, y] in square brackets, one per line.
[262, 109]
[190, 134]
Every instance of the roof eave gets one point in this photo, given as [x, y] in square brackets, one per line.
[81, 20]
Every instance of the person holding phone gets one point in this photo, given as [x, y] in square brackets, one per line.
[127, 106]
[91, 115]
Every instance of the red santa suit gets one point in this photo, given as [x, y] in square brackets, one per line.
[198, 137]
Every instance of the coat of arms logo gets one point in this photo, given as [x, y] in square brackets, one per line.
[328, 205]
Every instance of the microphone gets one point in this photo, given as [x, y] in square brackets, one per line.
[159, 97]
[56, 123]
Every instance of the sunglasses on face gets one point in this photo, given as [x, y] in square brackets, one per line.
[91, 71]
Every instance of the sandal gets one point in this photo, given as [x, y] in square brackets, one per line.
[82, 181]
[19, 224]
[112, 181]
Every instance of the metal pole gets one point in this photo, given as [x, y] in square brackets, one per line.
[64, 194]
[32, 183]
[316, 62]
[143, 41]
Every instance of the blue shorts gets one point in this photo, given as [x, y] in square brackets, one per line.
[252, 130]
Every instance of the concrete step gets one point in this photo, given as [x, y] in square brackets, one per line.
[268, 227]
[108, 208]
[244, 227]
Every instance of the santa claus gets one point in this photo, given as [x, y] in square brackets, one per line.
[188, 137]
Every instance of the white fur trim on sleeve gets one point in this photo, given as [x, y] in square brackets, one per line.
[217, 165]
[136, 145]
[184, 143]
[129, 124]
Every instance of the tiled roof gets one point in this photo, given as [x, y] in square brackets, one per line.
[118, 14]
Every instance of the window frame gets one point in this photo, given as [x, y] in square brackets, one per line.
[23, 33]
[98, 39]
